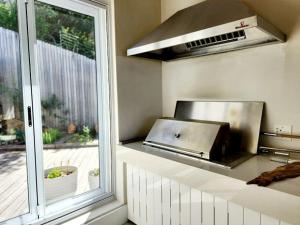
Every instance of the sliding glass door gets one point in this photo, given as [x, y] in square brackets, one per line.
[17, 162]
[71, 106]
[54, 108]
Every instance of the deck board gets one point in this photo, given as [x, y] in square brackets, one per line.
[13, 175]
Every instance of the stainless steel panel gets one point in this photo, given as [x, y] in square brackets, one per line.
[244, 117]
[190, 159]
[205, 20]
[196, 138]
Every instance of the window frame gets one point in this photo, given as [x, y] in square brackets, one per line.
[32, 213]
[39, 211]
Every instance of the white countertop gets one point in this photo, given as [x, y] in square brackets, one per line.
[279, 200]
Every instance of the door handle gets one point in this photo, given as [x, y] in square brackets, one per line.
[29, 114]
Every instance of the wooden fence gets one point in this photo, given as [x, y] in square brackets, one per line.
[10, 80]
[69, 76]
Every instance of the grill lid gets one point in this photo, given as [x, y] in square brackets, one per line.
[202, 139]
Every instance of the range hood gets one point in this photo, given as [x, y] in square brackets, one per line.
[210, 27]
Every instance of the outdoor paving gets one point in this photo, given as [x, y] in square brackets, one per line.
[13, 176]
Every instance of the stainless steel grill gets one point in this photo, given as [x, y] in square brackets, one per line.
[225, 133]
[201, 139]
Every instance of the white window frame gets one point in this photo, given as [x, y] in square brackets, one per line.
[39, 211]
[29, 131]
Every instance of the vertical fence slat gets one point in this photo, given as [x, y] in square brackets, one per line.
[71, 77]
[10, 76]
[68, 75]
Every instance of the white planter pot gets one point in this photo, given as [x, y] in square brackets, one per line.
[8, 137]
[61, 187]
[93, 181]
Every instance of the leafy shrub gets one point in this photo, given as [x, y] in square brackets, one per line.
[20, 135]
[52, 108]
[86, 131]
[52, 25]
[51, 135]
[8, 15]
[54, 173]
[84, 136]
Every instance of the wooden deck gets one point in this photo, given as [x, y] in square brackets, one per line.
[13, 176]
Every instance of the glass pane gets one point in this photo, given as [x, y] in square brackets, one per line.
[13, 174]
[68, 85]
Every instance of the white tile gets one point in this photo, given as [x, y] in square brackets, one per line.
[185, 214]
[207, 209]
[251, 217]
[175, 218]
[221, 211]
[266, 220]
[196, 207]
[236, 214]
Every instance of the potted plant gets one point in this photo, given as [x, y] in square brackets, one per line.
[60, 182]
[8, 136]
[94, 178]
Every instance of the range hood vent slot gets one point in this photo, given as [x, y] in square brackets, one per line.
[209, 27]
[217, 40]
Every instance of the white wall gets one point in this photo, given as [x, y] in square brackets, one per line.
[270, 73]
[138, 80]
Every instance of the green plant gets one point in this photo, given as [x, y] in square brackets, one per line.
[67, 29]
[50, 108]
[51, 22]
[84, 136]
[54, 173]
[51, 135]
[86, 131]
[8, 15]
[77, 41]
[95, 172]
[20, 135]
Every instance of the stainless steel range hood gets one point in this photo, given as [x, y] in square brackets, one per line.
[210, 27]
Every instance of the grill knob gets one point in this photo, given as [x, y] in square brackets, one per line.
[177, 135]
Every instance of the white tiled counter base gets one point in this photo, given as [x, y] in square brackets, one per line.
[155, 200]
